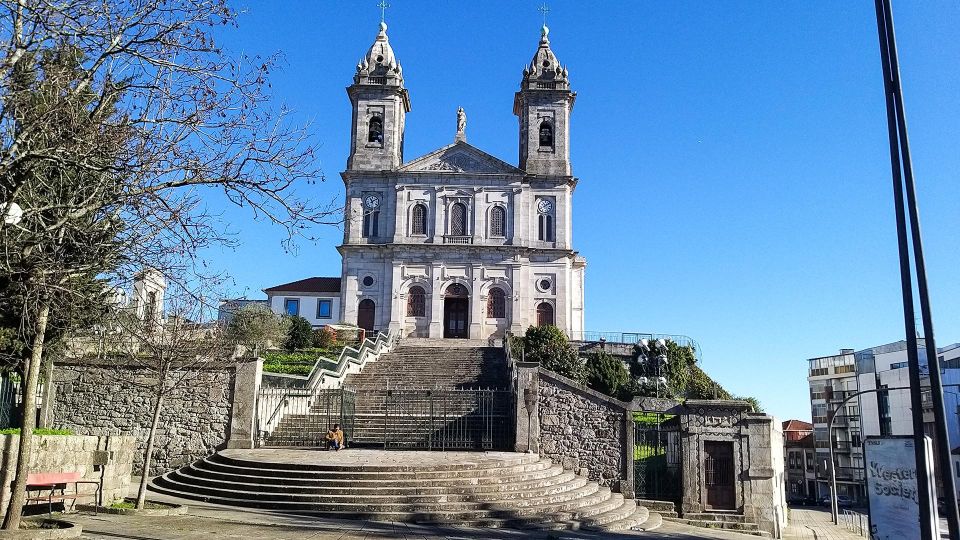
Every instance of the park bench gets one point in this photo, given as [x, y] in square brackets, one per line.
[45, 485]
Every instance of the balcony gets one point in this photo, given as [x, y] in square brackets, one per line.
[850, 473]
[457, 240]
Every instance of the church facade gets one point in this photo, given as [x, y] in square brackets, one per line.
[458, 243]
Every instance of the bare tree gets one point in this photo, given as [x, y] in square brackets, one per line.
[118, 119]
[172, 353]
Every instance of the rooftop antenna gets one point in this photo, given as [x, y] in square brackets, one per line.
[545, 10]
[383, 5]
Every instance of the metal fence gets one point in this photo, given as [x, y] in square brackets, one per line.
[292, 417]
[631, 338]
[11, 400]
[442, 419]
[656, 456]
[855, 522]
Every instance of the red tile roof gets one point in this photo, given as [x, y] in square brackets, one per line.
[797, 425]
[309, 285]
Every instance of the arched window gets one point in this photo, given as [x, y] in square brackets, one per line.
[416, 302]
[546, 228]
[419, 220]
[496, 304]
[458, 219]
[375, 130]
[546, 134]
[498, 216]
[544, 314]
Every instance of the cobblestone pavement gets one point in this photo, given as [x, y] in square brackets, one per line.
[815, 524]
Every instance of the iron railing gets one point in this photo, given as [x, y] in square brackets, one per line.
[855, 522]
[292, 417]
[632, 338]
[10, 400]
[439, 419]
[656, 456]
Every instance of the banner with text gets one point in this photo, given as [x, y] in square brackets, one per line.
[892, 482]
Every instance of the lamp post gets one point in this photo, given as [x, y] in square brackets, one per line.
[660, 348]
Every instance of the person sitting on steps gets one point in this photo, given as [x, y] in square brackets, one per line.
[335, 438]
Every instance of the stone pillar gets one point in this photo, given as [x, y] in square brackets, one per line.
[477, 306]
[627, 482]
[246, 391]
[436, 303]
[527, 411]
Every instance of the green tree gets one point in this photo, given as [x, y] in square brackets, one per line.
[608, 374]
[548, 345]
[257, 327]
[299, 334]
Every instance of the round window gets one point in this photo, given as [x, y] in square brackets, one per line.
[546, 63]
[544, 285]
[380, 59]
[368, 281]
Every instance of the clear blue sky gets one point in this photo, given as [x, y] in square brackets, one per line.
[734, 175]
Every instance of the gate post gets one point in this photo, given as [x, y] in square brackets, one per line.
[243, 415]
[627, 485]
[526, 407]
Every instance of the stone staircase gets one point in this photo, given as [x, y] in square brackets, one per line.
[484, 489]
[729, 521]
[397, 400]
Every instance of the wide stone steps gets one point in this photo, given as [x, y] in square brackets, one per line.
[481, 489]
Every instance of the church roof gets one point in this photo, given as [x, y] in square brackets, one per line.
[309, 285]
[460, 157]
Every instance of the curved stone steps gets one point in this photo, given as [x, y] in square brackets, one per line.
[481, 489]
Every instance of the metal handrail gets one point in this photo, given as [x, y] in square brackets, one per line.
[632, 338]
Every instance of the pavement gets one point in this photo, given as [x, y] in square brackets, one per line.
[815, 524]
[205, 521]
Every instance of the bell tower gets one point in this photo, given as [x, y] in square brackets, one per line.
[380, 104]
[544, 104]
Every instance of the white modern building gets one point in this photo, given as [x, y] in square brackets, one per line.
[316, 299]
[458, 243]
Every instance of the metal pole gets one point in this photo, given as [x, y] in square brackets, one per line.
[833, 470]
[933, 363]
[884, 30]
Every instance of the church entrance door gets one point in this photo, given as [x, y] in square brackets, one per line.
[456, 312]
[366, 314]
[455, 317]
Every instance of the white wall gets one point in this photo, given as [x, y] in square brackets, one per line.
[308, 306]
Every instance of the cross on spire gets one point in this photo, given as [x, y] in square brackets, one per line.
[545, 10]
[383, 5]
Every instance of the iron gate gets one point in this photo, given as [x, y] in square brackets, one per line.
[656, 456]
[446, 419]
[292, 417]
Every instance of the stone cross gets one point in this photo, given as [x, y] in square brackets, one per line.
[461, 125]
[383, 5]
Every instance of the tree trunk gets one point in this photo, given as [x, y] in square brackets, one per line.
[148, 453]
[46, 412]
[19, 489]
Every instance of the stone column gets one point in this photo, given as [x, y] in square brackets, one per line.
[627, 482]
[398, 306]
[477, 307]
[527, 410]
[246, 391]
[436, 303]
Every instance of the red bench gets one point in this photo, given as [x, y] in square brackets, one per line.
[53, 482]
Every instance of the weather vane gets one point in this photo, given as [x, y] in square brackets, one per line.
[383, 5]
[545, 9]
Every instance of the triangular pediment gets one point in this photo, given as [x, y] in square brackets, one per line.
[460, 157]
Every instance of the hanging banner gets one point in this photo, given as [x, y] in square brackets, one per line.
[892, 482]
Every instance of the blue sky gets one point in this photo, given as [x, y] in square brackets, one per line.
[734, 175]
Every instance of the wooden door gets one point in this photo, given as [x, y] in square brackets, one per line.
[719, 475]
[456, 318]
[366, 314]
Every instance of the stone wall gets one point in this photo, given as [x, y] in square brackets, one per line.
[72, 453]
[92, 399]
[584, 431]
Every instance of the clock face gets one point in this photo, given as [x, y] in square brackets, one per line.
[544, 206]
[371, 202]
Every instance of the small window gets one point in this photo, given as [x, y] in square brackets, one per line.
[545, 228]
[375, 130]
[368, 281]
[458, 219]
[371, 224]
[546, 134]
[416, 302]
[496, 304]
[292, 306]
[419, 219]
[324, 309]
[498, 216]
[544, 314]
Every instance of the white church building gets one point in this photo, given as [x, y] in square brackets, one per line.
[458, 243]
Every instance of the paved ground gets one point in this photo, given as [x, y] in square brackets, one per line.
[367, 458]
[815, 524]
[206, 521]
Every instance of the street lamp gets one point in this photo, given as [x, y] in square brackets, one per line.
[660, 348]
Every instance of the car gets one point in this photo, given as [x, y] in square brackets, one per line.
[843, 501]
